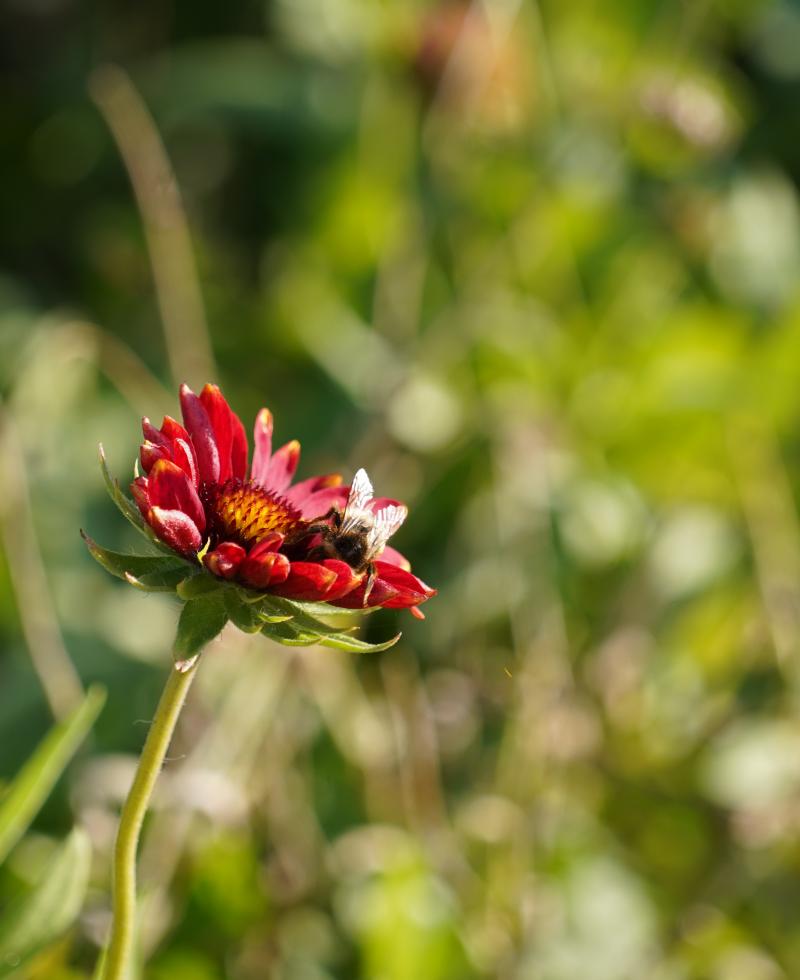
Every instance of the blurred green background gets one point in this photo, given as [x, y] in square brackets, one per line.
[536, 268]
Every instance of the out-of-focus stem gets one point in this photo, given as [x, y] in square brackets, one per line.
[166, 228]
[54, 668]
[123, 930]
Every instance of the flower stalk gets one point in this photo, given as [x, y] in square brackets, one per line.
[123, 930]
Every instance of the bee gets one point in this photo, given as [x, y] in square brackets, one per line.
[356, 535]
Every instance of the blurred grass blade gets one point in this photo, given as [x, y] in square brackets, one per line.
[50, 908]
[31, 787]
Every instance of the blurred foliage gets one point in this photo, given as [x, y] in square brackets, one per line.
[536, 268]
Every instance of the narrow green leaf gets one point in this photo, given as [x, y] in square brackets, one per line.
[123, 565]
[50, 908]
[326, 609]
[32, 785]
[288, 635]
[200, 621]
[126, 506]
[353, 645]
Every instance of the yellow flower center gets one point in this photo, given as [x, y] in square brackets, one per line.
[247, 513]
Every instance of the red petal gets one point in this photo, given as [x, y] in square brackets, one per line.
[416, 612]
[346, 578]
[183, 455]
[141, 495]
[393, 557]
[152, 434]
[202, 435]
[219, 415]
[302, 490]
[381, 593]
[262, 442]
[150, 453]
[411, 591]
[238, 448]
[269, 568]
[320, 502]
[172, 442]
[169, 487]
[308, 580]
[225, 559]
[282, 466]
[270, 542]
[173, 430]
[175, 529]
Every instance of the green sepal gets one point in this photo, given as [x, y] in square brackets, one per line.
[243, 615]
[288, 635]
[199, 584]
[278, 606]
[292, 634]
[138, 566]
[200, 621]
[162, 581]
[342, 641]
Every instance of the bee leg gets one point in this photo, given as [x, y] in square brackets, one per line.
[306, 532]
[372, 574]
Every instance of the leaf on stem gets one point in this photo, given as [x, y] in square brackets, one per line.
[200, 621]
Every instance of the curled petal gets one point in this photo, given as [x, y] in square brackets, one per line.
[346, 578]
[152, 434]
[202, 435]
[267, 569]
[183, 455]
[141, 494]
[225, 559]
[169, 487]
[262, 441]
[238, 448]
[270, 542]
[173, 430]
[171, 442]
[219, 415]
[282, 467]
[411, 591]
[380, 593]
[150, 453]
[175, 529]
[308, 580]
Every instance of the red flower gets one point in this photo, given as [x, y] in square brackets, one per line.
[260, 529]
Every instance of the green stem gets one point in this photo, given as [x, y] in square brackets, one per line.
[120, 949]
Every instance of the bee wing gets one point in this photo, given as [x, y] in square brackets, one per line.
[361, 493]
[387, 521]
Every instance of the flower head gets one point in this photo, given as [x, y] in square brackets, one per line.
[253, 529]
